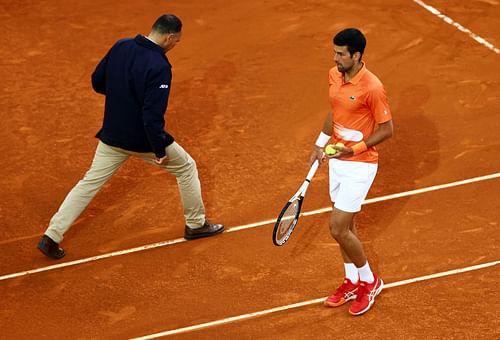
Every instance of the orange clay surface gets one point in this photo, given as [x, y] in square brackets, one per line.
[248, 100]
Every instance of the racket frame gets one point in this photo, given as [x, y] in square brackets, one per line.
[299, 195]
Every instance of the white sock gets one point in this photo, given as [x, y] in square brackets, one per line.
[351, 272]
[365, 273]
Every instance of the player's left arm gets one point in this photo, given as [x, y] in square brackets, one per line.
[153, 110]
[378, 104]
[384, 131]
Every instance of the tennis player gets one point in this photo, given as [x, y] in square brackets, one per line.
[360, 119]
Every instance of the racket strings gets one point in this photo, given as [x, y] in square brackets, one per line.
[288, 218]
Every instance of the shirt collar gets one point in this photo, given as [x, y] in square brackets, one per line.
[148, 43]
[152, 45]
[355, 80]
[145, 36]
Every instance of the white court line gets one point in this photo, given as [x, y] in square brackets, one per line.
[450, 21]
[413, 192]
[310, 302]
[246, 226]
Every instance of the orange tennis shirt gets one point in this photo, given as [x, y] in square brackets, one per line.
[357, 107]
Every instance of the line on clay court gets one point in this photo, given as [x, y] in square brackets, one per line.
[450, 21]
[242, 227]
[309, 302]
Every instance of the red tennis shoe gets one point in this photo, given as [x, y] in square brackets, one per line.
[346, 292]
[366, 295]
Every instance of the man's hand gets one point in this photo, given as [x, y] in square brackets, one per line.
[317, 154]
[161, 161]
[342, 151]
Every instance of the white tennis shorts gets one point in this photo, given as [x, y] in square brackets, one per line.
[349, 183]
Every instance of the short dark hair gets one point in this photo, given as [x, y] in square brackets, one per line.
[167, 23]
[352, 38]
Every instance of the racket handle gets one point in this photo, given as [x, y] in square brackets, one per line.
[312, 171]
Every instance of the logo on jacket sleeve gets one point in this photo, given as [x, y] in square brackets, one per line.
[164, 86]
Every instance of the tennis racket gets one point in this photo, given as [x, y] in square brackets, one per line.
[289, 216]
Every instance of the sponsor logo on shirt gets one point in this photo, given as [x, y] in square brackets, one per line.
[164, 86]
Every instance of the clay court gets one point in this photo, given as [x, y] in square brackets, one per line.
[249, 95]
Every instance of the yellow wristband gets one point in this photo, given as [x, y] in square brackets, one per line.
[359, 148]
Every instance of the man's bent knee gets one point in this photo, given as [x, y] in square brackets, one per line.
[337, 230]
[340, 223]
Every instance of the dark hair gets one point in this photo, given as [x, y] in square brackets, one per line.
[167, 23]
[352, 38]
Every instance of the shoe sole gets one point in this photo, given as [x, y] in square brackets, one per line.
[197, 236]
[377, 292]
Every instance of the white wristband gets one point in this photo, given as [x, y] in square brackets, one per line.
[323, 138]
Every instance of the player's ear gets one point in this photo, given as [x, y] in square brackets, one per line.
[356, 56]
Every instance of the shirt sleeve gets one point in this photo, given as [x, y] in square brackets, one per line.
[99, 76]
[378, 104]
[155, 105]
[331, 76]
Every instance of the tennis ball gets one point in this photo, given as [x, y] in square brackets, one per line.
[340, 144]
[330, 150]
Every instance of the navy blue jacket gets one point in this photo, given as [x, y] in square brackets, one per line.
[135, 75]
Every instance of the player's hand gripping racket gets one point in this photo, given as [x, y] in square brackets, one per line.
[289, 216]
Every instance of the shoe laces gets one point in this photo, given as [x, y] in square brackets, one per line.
[344, 288]
[362, 291]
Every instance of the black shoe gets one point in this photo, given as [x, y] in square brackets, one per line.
[208, 229]
[50, 248]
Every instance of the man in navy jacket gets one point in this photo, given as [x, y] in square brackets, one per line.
[135, 76]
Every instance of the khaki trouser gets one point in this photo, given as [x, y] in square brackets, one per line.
[107, 161]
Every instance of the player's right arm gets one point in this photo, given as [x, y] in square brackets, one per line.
[323, 139]
[99, 76]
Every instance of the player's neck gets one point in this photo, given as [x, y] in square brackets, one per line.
[348, 75]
